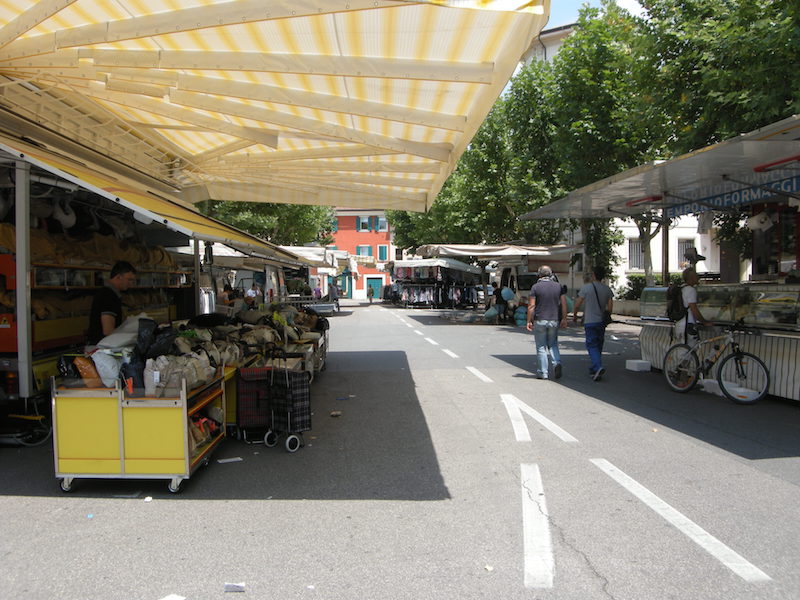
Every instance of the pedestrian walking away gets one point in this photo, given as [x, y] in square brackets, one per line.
[547, 311]
[370, 293]
[595, 297]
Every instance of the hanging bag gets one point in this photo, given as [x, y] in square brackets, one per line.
[606, 313]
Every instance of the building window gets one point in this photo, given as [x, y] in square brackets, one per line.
[635, 255]
[364, 250]
[383, 224]
[383, 252]
[683, 248]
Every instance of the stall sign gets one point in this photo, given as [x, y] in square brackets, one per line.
[727, 199]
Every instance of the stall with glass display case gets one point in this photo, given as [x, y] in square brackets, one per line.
[770, 310]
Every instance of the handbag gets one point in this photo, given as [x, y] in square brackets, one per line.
[606, 313]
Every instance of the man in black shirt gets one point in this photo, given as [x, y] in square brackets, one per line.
[500, 303]
[106, 313]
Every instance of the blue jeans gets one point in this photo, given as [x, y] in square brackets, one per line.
[595, 336]
[545, 333]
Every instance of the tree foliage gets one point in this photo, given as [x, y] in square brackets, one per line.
[720, 67]
[282, 224]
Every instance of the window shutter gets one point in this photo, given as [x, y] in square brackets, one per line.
[335, 226]
[358, 223]
[369, 250]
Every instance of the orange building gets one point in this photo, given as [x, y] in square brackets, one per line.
[367, 236]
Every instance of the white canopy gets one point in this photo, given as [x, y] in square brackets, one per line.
[493, 252]
[754, 167]
[447, 263]
[368, 103]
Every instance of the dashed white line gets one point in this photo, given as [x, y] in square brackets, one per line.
[537, 545]
[418, 332]
[409, 325]
[478, 374]
[450, 354]
[430, 341]
[727, 556]
[514, 405]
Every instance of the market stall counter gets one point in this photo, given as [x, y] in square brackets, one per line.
[109, 433]
[771, 311]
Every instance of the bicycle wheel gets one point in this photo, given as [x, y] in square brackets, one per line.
[680, 368]
[743, 378]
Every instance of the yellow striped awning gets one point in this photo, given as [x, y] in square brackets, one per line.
[149, 203]
[364, 103]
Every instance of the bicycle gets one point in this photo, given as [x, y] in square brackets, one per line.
[26, 428]
[742, 376]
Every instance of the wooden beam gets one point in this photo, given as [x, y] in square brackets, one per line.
[38, 13]
[328, 102]
[432, 151]
[188, 116]
[190, 19]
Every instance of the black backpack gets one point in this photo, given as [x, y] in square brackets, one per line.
[675, 308]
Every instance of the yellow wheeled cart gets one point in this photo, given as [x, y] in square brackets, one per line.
[104, 433]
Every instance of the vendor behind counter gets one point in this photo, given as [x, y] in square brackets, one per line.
[106, 312]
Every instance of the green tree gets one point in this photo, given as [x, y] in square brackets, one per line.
[282, 224]
[720, 67]
[595, 105]
[504, 174]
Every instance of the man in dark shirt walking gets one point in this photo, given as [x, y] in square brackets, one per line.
[547, 311]
[106, 312]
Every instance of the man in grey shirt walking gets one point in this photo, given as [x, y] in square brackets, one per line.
[597, 297]
[547, 311]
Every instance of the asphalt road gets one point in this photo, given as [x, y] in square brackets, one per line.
[452, 473]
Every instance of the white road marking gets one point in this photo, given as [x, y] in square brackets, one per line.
[418, 332]
[537, 545]
[514, 405]
[429, 340]
[521, 432]
[450, 354]
[727, 556]
[478, 374]
[409, 325]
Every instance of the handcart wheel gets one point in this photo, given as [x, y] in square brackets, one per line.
[174, 486]
[270, 439]
[66, 484]
[292, 443]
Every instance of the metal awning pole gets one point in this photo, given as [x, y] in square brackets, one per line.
[664, 247]
[197, 290]
[23, 274]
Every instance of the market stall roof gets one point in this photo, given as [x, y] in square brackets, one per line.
[493, 252]
[149, 204]
[368, 103]
[753, 167]
[315, 256]
[447, 263]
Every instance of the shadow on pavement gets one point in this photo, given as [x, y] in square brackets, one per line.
[769, 429]
[378, 449]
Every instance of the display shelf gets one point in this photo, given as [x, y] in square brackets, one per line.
[761, 305]
[103, 433]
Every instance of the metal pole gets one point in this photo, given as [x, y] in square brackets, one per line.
[665, 247]
[23, 274]
[197, 290]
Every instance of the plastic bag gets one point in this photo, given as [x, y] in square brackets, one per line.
[107, 367]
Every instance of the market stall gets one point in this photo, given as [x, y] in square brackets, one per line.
[438, 282]
[755, 173]
[770, 313]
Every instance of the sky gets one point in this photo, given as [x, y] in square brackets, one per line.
[564, 12]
